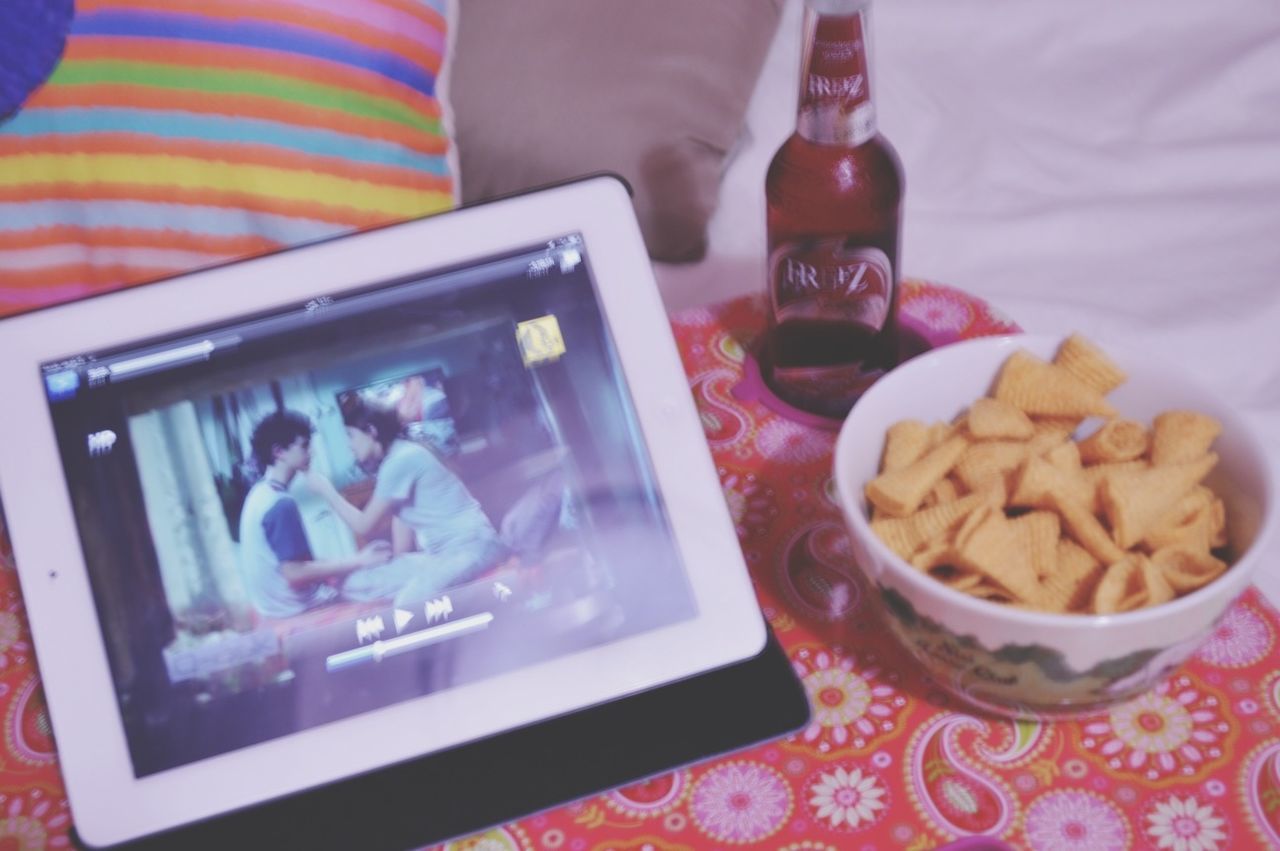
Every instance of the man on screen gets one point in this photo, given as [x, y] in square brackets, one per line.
[280, 573]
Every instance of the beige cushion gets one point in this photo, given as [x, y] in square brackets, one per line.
[654, 90]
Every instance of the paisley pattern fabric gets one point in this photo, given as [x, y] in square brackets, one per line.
[888, 761]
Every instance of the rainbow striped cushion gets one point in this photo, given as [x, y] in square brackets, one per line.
[176, 134]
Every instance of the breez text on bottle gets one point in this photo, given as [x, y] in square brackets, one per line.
[836, 87]
[800, 277]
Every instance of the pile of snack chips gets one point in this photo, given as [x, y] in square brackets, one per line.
[1005, 504]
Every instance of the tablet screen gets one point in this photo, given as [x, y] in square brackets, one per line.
[305, 514]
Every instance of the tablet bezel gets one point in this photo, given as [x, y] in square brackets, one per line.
[108, 802]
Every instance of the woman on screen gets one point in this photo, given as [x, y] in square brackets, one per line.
[433, 514]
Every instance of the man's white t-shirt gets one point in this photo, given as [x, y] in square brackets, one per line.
[271, 533]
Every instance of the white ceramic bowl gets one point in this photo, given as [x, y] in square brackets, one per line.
[1023, 663]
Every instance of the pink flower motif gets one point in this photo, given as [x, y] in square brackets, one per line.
[1074, 820]
[1241, 638]
[1172, 729]
[783, 440]
[1184, 824]
[740, 802]
[940, 311]
[34, 820]
[847, 800]
[850, 708]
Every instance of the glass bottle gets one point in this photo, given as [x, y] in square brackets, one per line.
[834, 204]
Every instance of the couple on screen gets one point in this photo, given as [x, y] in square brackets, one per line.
[440, 534]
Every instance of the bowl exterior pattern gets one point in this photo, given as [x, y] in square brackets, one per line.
[1025, 679]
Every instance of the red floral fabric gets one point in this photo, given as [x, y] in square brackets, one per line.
[889, 760]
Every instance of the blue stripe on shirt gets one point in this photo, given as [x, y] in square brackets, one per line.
[173, 25]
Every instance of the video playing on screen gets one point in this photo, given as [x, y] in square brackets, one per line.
[298, 517]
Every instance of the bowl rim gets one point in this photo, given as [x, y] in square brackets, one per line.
[851, 499]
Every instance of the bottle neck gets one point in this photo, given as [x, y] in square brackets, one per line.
[835, 86]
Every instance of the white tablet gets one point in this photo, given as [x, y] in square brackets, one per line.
[286, 522]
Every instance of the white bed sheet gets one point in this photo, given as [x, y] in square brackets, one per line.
[1107, 167]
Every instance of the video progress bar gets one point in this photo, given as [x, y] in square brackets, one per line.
[379, 650]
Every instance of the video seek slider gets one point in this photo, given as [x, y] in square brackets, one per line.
[165, 358]
[420, 625]
[382, 649]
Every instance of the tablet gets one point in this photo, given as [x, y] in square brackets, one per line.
[434, 496]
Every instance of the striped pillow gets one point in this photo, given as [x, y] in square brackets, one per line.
[176, 134]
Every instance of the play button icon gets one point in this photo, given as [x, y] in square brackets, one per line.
[402, 618]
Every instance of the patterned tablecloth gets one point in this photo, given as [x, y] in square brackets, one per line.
[889, 761]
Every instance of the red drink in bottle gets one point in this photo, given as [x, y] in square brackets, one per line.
[834, 198]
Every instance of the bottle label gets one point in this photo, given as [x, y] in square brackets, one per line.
[828, 281]
[819, 87]
[835, 94]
